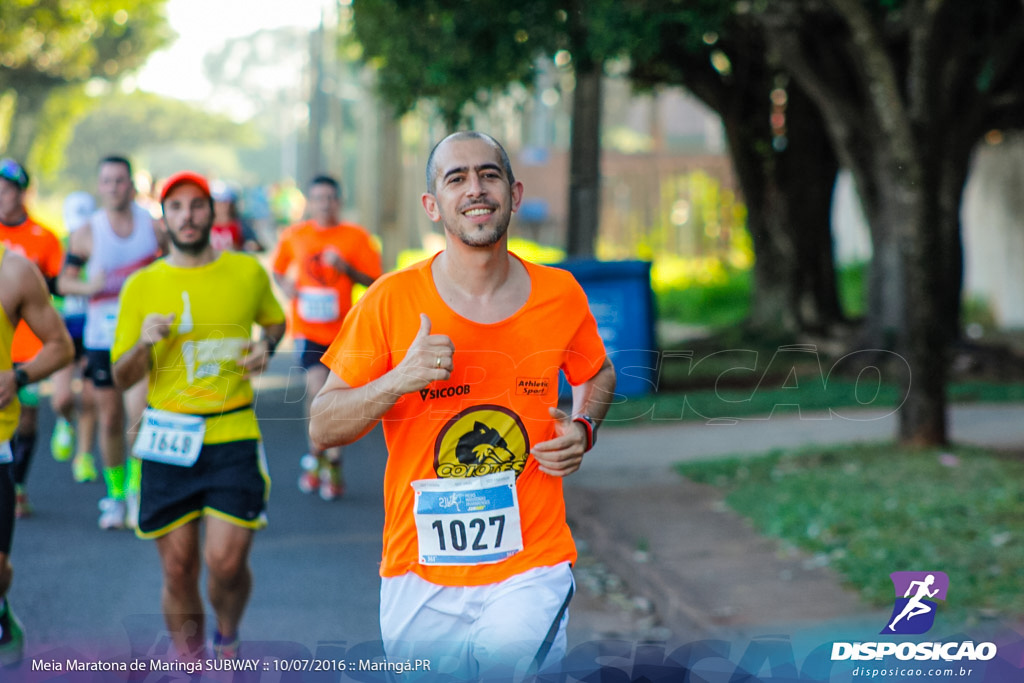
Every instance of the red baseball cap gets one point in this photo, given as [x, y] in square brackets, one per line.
[184, 177]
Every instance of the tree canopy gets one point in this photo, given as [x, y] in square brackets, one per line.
[50, 44]
[130, 124]
[456, 54]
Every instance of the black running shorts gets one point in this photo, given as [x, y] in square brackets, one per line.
[6, 507]
[228, 480]
[310, 353]
[97, 368]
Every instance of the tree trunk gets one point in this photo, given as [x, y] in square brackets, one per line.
[28, 108]
[789, 198]
[389, 186]
[807, 171]
[585, 161]
[923, 417]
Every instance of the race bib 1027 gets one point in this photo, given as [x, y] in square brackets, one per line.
[467, 521]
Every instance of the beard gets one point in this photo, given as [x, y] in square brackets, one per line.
[196, 246]
[480, 235]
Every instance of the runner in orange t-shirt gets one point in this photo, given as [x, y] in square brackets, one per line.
[316, 265]
[23, 235]
[459, 358]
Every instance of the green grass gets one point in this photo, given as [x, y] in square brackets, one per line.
[871, 510]
[712, 305]
[725, 301]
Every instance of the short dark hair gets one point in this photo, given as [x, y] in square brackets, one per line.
[116, 159]
[324, 179]
[467, 135]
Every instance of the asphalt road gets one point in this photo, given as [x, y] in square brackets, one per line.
[88, 595]
[79, 590]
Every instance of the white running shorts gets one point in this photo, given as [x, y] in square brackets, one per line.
[508, 629]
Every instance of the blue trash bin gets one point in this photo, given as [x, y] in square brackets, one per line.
[622, 303]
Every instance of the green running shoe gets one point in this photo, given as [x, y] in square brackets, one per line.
[83, 468]
[12, 638]
[62, 442]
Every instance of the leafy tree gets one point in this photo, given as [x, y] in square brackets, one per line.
[50, 44]
[907, 88]
[132, 123]
[457, 53]
[786, 173]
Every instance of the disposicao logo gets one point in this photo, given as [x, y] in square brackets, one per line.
[916, 593]
[912, 614]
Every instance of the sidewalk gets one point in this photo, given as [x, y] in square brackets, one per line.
[707, 572]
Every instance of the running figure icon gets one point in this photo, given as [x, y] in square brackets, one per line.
[915, 606]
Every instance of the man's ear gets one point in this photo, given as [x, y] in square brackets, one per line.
[517, 195]
[429, 202]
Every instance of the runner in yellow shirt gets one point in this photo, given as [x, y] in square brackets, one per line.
[23, 297]
[186, 323]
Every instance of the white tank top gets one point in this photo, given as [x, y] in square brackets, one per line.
[118, 257]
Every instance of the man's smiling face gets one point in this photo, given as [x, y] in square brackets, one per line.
[473, 197]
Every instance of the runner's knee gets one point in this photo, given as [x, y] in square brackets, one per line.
[226, 567]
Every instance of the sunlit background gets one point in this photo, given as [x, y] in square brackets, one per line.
[265, 95]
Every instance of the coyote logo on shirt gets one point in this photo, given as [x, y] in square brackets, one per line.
[481, 440]
[483, 446]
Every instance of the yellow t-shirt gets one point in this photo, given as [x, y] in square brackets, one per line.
[196, 370]
[485, 418]
[9, 413]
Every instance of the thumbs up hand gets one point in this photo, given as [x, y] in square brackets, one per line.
[430, 358]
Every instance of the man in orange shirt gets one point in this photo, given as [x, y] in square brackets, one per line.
[20, 233]
[459, 358]
[316, 264]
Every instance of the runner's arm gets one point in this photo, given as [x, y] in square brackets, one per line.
[42, 318]
[285, 284]
[358, 276]
[135, 363]
[594, 396]
[339, 262]
[563, 455]
[341, 414]
[69, 281]
[257, 354]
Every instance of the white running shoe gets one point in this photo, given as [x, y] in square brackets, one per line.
[112, 513]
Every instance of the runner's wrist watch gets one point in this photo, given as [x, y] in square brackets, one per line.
[590, 427]
[21, 378]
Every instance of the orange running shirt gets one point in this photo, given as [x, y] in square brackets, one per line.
[325, 294]
[494, 406]
[41, 247]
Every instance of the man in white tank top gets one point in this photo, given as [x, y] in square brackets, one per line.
[119, 239]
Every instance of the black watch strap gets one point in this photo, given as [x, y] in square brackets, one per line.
[21, 378]
[590, 425]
